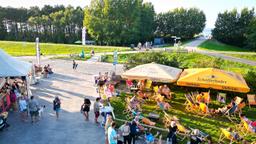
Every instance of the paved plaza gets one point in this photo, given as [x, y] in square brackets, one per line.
[72, 87]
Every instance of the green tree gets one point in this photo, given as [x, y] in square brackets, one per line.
[147, 22]
[119, 22]
[251, 35]
[230, 27]
[184, 23]
[51, 24]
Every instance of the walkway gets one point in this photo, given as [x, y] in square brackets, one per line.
[193, 46]
[72, 87]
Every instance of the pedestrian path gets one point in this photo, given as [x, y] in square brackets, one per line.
[95, 58]
[72, 86]
[227, 57]
[193, 46]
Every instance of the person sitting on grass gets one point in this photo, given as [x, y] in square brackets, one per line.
[224, 109]
[195, 138]
[151, 139]
[135, 103]
[143, 119]
[234, 134]
[166, 92]
[163, 105]
[252, 124]
[199, 97]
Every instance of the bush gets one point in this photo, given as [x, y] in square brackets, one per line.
[250, 79]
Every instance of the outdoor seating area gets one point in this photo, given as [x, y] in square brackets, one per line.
[204, 104]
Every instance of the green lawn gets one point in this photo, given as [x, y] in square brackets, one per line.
[184, 60]
[28, 48]
[210, 124]
[245, 56]
[72, 58]
[218, 46]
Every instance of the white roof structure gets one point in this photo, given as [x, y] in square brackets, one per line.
[11, 67]
[2, 82]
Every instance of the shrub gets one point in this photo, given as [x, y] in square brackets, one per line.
[250, 79]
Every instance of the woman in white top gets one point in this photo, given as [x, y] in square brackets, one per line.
[126, 133]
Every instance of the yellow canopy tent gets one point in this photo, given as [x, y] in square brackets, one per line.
[213, 78]
[154, 72]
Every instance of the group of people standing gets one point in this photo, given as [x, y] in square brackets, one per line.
[33, 108]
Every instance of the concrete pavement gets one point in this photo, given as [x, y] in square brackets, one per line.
[72, 86]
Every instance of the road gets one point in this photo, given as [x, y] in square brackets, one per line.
[193, 46]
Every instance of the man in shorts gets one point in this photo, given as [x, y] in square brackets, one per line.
[33, 109]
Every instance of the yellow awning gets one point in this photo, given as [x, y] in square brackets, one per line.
[213, 78]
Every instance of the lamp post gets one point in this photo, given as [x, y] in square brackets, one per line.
[84, 35]
[38, 53]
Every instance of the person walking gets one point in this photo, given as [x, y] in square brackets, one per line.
[171, 137]
[85, 108]
[74, 65]
[134, 131]
[33, 109]
[23, 106]
[126, 133]
[112, 134]
[108, 122]
[56, 106]
[96, 108]
[92, 53]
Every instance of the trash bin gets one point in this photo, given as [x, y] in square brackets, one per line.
[132, 46]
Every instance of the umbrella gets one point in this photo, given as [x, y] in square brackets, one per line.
[154, 72]
[213, 78]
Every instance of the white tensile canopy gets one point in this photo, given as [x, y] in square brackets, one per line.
[154, 72]
[2, 82]
[11, 67]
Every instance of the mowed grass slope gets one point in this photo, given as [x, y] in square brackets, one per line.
[28, 48]
[209, 124]
[218, 46]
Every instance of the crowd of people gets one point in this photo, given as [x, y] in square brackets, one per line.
[47, 71]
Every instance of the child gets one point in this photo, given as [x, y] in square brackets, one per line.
[96, 108]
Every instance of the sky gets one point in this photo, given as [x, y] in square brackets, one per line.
[211, 8]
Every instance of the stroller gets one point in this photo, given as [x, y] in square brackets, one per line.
[3, 119]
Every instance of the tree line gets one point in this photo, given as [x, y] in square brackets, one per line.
[57, 24]
[236, 28]
[118, 22]
[108, 22]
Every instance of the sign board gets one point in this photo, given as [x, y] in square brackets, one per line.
[115, 58]
[83, 35]
[38, 53]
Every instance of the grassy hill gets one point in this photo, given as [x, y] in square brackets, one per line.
[218, 46]
[28, 48]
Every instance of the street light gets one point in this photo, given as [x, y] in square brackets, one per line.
[38, 53]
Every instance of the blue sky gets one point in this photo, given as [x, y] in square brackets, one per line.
[210, 7]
